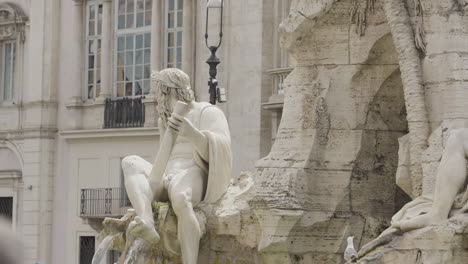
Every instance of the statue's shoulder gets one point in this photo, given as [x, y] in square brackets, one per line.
[202, 106]
[206, 111]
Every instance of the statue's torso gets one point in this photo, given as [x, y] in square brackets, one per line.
[182, 158]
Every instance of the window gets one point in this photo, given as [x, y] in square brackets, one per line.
[87, 244]
[93, 49]
[133, 48]
[173, 33]
[6, 207]
[8, 70]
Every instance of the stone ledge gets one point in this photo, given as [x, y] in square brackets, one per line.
[109, 133]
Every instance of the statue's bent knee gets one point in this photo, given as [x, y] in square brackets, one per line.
[180, 201]
[132, 165]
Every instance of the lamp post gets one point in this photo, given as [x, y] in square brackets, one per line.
[213, 61]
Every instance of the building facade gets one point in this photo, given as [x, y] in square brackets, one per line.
[76, 98]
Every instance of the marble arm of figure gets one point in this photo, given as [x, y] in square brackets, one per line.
[185, 128]
[212, 120]
[162, 130]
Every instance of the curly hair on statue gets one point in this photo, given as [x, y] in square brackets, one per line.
[167, 84]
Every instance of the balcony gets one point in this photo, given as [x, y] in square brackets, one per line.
[124, 113]
[103, 202]
[275, 102]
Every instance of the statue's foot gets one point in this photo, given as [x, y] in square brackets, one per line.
[139, 228]
[417, 222]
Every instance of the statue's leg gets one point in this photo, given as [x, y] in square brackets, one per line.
[450, 179]
[141, 196]
[186, 191]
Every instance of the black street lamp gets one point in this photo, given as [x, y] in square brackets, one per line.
[213, 61]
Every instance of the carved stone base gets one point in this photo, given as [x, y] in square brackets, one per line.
[444, 243]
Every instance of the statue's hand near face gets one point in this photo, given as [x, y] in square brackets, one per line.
[182, 126]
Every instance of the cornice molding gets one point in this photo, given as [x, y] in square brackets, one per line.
[71, 135]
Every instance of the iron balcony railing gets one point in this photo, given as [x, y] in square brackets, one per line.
[124, 112]
[103, 202]
[278, 79]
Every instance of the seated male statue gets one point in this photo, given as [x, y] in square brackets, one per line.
[198, 170]
[451, 177]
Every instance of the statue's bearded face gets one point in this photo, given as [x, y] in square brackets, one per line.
[166, 98]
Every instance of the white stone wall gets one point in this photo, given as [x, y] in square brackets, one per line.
[91, 159]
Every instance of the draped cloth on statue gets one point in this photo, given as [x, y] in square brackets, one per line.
[420, 205]
[213, 124]
[423, 204]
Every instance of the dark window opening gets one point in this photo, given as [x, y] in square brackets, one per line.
[6, 207]
[87, 244]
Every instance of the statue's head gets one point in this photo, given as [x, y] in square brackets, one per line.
[171, 85]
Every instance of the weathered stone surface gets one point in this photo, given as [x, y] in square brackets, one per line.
[444, 243]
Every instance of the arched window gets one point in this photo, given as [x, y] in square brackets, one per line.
[12, 23]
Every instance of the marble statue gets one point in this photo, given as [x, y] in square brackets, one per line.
[451, 177]
[193, 164]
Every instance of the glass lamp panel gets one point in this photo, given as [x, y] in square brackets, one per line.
[214, 4]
